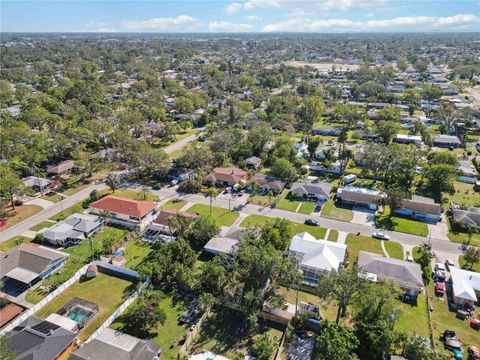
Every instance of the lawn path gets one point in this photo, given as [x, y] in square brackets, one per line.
[239, 220]
[327, 233]
[298, 207]
[382, 244]
[187, 206]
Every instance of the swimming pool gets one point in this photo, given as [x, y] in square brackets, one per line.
[80, 315]
[467, 179]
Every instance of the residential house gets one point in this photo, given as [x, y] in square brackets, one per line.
[114, 344]
[471, 216]
[179, 174]
[360, 196]
[377, 105]
[37, 339]
[467, 169]
[358, 157]
[26, 264]
[225, 242]
[408, 275]
[253, 162]
[268, 183]
[72, 230]
[320, 153]
[409, 139]
[161, 224]
[421, 208]
[61, 168]
[446, 141]
[465, 286]
[228, 176]
[332, 168]
[125, 212]
[326, 130]
[9, 311]
[308, 189]
[37, 184]
[316, 256]
[301, 149]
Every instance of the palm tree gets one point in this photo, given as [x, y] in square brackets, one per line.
[270, 193]
[448, 114]
[104, 215]
[210, 193]
[145, 192]
[179, 224]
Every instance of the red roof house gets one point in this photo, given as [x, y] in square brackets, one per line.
[225, 176]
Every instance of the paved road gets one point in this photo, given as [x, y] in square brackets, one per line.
[26, 224]
[239, 205]
[180, 144]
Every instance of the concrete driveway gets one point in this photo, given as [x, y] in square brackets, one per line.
[363, 216]
[439, 230]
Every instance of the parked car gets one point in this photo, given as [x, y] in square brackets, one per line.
[380, 236]
[449, 264]
[311, 222]
[173, 182]
[450, 340]
[439, 288]
[473, 353]
[409, 258]
[440, 272]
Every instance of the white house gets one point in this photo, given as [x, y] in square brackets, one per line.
[315, 256]
[465, 285]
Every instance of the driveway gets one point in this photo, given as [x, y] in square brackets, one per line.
[40, 202]
[439, 230]
[363, 216]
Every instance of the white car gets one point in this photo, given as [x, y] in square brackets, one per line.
[380, 236]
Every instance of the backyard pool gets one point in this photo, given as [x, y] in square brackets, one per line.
[80, 315]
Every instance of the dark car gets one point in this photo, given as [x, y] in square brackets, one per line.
[311, 222]
[473, 353]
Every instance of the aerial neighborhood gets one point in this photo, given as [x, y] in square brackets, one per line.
[240, 196]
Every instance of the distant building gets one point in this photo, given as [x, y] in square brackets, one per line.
[228, 176]
[268, 182]
[114, 344]
[61, 168]
[253, 162]
[317, 190]
[37, 184]
[409, 139]
[421, 208]
[471, 216]
[326, 130]
[360, 196]
[446, 141]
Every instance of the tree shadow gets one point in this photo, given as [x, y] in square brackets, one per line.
[386, 223]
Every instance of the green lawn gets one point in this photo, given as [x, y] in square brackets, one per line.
[135, 252]
[413, 319]
[74, 189]
[130, 194]
[333, 235]
[462, 263]
[84, 250]
[356, 243]
[307, 207]
[72, 265]
[20, 213]
[464, 195]
[461, 238]
[222, 216]
[16, 240]
[221, 334]
[53, 197]
[328, 311]
[108, 292]
[74, 209]
[259, 220]
[43, 224]
[332, 211]
[167, 335]
[443, 319]
[173, 205]
[394, 250]
[287, 203]
[401, 224]
[262, 200]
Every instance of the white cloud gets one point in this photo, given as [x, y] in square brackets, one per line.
[106, 30]
[410, 23]
[225, 26]
[313, 5]
[252, 4]
[233, 8]
[99, 26]
[252, 17]
[179, 23]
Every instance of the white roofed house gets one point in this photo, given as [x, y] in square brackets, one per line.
[465, 286]
[409, 139]
[37, 184]
[316, 256]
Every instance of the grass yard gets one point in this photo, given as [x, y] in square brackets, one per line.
[167, 335]
[173, 205]
[175, 154]
[400, 224]
[394, 249]
[42, 225]
[53, 197]
[259, 220]
[461, 238]
[464, 195]
[74, 209]
[356, 243]
[221, 334]
[286, 202]
[463, 264]
[135, 252]
[328, 311]
[84, 251]
[16, 240]
[74, 189]
[131, 194]
[222, 216]
[333, 235]
[72, 265]
[261, 200]
[108, 292]
[332, 211]
[20, 213]
[443, 319]
[307, 207]
[413, 319]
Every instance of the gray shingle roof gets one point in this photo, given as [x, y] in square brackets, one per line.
[406, 274]
[471, 216]
[307, 187]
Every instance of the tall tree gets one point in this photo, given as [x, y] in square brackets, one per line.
[211, 193]
[335, 342]
[113, 181]
[10, 184]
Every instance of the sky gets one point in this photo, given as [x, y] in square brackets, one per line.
[316, 16]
